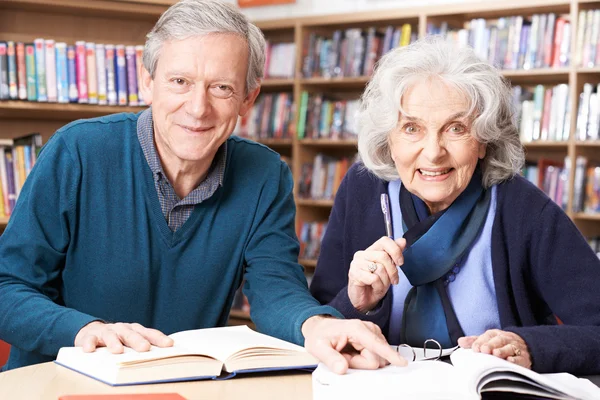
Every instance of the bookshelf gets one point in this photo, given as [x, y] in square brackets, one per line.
[117, 21]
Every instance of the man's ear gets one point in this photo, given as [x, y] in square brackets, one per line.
[146, 85]
[249, 101]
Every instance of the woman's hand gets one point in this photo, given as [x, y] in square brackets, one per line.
[372, 271]
[506, 345]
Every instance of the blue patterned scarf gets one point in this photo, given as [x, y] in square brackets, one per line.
[435, 243]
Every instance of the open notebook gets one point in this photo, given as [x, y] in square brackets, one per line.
[197, 354]
[469, 375]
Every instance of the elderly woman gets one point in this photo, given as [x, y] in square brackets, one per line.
[474, 254]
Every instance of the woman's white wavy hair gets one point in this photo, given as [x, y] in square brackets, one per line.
[488, 94]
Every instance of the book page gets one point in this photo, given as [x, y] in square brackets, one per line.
[223, 343]
[482, 369]
[418, 380]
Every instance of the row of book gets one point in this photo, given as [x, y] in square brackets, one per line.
[321, 178]
[516, 42]
[588, 45]
[271, 117]
[49, 71]
[552, 177]
[280, 60]
[586, 190]
[351, 52]
[320, 117]
[544, 113]
[310, 235]
[588, 113]
[17, 157]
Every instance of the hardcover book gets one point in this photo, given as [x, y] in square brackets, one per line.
[197, 354]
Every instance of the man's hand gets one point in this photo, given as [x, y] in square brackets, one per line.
[115, 336]
[343, 344]
[502, 344]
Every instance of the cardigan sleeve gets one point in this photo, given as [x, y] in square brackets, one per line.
[566, 274]
[32, 257]
[340, 242]
[275, 284]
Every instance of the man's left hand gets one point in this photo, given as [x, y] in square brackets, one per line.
[506, 345]
[343, 344]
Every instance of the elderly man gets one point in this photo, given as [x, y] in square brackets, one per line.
[132, 225]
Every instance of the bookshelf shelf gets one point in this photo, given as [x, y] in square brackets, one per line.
[3, 221]
[314, 203]
[591, 143]
[595, 70]
[148, 10]
[587, 216]
[329, 142]
[57, 111]
[546, 144]
[278, 84]
[535, 76]
[355, 83]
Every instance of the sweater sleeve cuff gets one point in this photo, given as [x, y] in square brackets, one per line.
[379, 315]
[68, 327]
[311, 312]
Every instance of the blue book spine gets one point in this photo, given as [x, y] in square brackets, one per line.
[40, 69]
[13, 93]
[73, 93]
[62, 73]
[3, 71]
[121, 73]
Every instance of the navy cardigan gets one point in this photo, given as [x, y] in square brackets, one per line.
[542, 267]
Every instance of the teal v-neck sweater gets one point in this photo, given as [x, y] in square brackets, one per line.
[88, 240]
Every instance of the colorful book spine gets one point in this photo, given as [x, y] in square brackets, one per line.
[72, 74]
[31, 73]
[40, 70]
[10, 179]
[132, 89]
[92, 76]
[13, 93]
[62, 73]
[21, 72]
[101, 73]
[111, 79]
[121, 72]
[50, 56]
[81, 71]
[3, 71]
[139, 62]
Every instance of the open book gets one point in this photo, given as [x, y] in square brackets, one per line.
[468, 377]
[196, 354]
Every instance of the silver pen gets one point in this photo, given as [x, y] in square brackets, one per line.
[385, 208]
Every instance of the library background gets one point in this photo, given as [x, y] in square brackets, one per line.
[64, 60]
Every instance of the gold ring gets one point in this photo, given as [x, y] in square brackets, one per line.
[516, 350]
[372, 267]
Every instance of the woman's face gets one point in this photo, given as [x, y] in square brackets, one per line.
[432, 145]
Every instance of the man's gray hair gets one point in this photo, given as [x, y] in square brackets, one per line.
[487, 92]
[188, 18]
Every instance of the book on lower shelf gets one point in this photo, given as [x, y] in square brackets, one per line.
[213, 353]
[468, 377]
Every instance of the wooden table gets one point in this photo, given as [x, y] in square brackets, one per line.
[49, 381]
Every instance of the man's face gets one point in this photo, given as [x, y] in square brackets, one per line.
[197, 93]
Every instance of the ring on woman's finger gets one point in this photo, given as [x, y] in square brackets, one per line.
[372, 267]
[516, 350]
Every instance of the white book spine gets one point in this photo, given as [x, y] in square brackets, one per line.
[101, 73]
[51, 70]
